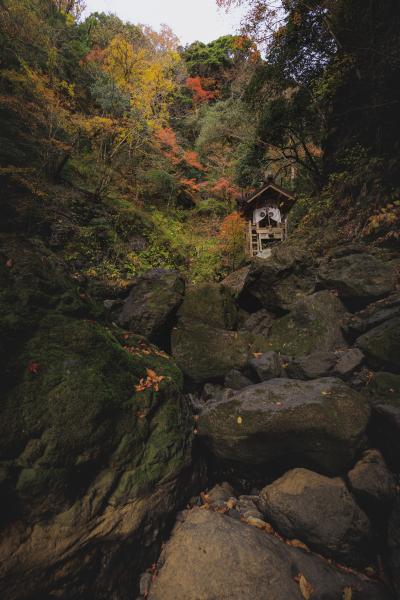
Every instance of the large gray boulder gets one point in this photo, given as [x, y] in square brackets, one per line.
[381, 345]
[314, 324]
[318, 424]
[211, 556]
[152, 301]
[321, 512]
[358, 277]
[279, 281]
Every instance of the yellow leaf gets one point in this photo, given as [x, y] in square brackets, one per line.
[347, 593]
[306, 588]
[239, 420]
[298, 544]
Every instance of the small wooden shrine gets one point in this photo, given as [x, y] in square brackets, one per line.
[266, 213]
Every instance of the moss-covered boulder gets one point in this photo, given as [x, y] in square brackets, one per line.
[95, 443]
[381, 345]
[152, 303]
[206, 353]
[317, 424]
[313, 325]
[209, 303]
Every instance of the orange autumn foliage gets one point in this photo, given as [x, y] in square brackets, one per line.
[224, 188]
[191, 158]
[195, 84]
[231, 239]
[190, 185]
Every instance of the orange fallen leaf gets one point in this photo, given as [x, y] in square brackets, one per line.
[306, 588]
[298, 544]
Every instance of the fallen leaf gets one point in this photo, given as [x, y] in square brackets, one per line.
[298, 544]
[33, 367]
[9, 263]
[257, 354]
[347, 593]
[306, 588]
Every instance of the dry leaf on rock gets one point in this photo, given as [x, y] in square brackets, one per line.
[347, 593]
[306, 588]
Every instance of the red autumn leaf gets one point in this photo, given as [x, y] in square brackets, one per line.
[33, 368]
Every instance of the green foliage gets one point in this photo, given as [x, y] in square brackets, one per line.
[208, 60]
[110, 98]
[211, 207]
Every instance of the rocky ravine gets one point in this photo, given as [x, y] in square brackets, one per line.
[292, 379]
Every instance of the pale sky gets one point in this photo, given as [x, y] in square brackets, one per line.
[189, 19]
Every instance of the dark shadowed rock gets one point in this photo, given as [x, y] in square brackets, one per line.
[348, 361]
[371, 481]
[209, 303]
[259, 322]
[321, 512]
[358, 277]
[213, 557]
[381, 345]
[383, 391]
[318, 424]
[236, 281]
[205, 353]
[313, 366]
[394, 546]
[314, 324]
[236, 380]
[268, 365]
[152, 301]
[277, 282]
[220, 493]
[373, 315]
